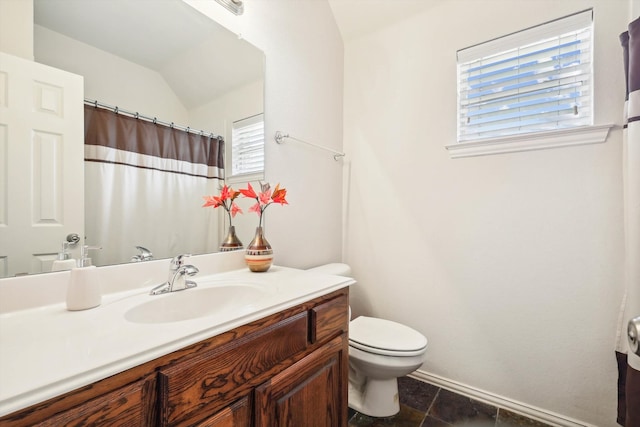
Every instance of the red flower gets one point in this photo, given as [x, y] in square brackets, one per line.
[264, 198]
[226, 200]
[248, 192]
[279, 195]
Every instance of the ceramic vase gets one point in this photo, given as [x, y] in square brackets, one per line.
[231, 241]
[259, 255]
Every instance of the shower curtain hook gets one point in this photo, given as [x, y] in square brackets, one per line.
[115, 110]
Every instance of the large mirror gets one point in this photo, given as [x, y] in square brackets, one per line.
[163, 59]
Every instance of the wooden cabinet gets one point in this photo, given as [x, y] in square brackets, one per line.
[287, 369]
[126, 406]
[236, 415]
[308, 394]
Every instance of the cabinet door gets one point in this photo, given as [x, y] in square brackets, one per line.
[310, 393]
[236, 415]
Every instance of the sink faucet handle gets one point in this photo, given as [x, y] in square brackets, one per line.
[178, 261]
[189, 270]
[143, 255]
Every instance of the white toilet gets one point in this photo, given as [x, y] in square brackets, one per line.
[380, 351]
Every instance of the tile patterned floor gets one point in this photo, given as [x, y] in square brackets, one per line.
[425, 405]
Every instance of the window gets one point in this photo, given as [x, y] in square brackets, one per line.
[533, 81]
[247, 147]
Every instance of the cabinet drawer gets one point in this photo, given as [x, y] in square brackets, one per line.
[126, 406]
[329, 319]
[207, 383]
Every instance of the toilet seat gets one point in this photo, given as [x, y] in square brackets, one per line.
[384, 337]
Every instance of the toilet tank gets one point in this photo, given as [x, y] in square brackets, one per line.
[336, 268]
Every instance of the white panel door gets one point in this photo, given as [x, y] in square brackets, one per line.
[41, 163]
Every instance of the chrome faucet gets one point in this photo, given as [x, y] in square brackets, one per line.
[144, 255]
[177, 280]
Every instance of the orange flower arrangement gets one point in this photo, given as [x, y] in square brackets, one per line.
[224, 200]
[264, 198]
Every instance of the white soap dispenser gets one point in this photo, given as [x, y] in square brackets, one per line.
[84, 290]
[64, 261]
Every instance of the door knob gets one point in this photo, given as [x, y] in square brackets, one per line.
[633, 333]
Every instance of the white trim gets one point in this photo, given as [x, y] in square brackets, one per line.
[533, 141]
[247, 177]
[532, 412]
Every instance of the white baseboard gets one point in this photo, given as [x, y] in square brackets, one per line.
[499, 401]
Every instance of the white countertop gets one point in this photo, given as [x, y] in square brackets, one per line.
[47, 351]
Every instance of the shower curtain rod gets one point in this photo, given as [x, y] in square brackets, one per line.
[137, 115]
[279, 137]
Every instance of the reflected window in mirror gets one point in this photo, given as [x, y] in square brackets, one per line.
[247, 149]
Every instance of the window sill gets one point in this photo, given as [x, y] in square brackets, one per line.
[538, 141]
[240, 179]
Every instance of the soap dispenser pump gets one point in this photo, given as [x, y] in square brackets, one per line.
[64, 260]
[84, 290]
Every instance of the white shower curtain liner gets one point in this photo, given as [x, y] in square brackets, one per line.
[161, 211]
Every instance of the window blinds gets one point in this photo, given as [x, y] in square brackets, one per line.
[539, 79]
[247, 146]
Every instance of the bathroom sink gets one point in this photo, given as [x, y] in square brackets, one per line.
[196, 302]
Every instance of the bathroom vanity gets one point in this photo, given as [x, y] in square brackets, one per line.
[280, 362]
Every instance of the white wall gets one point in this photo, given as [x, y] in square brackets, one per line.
[110, 79]
[510, 264]
[16, 21]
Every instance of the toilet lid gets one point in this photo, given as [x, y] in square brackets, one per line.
[385, 337]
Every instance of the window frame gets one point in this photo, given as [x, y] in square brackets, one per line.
[526, 141]
[230, 177]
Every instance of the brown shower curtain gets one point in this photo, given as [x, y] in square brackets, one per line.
[140, 143]
[628, 362]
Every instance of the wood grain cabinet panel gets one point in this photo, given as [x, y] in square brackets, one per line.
[127, 406]
[329, 320]
[236, 415]
[206, 383]
[309, 393]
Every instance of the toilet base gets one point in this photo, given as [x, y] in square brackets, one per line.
[375, 398]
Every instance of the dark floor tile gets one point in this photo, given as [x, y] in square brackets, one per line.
[351, 413]
[416, 394]
[407, 417]
[511, 419]
[434, 422]
[462, 411]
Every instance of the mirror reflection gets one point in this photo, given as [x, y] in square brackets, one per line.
[165, 60]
